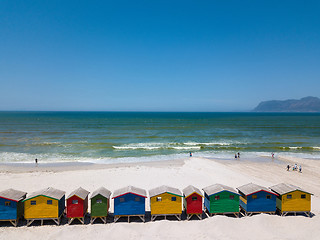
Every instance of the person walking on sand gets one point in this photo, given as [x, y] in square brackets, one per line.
[295, 167]
[288, 167]
[36, 161]
[300, 168]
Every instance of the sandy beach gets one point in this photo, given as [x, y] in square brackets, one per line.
[200, 172]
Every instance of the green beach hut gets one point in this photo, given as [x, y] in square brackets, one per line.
[100, 204]
[221, 199]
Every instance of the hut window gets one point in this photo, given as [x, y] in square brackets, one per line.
[268, 196]
[173, 199]
[49, 202]
[33, 202]
[303, 196]
[7, 204]
[159, 199]
[137, 199]
[289, 196]
[194, 198]
[121, 199]
[254, 196]
[231, 197]
[99, 200]
[217, 197]
[74, 201]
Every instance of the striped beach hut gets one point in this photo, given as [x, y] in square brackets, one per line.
[100, 204]
[77, 205]
[192, 202]
[165, 201]
[129, 202]
[257, 199]
[292, 199]
[46, 204]
[221, 199]
[11, 205]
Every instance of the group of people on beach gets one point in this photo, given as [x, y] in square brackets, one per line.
[237, 155]
[294, 168]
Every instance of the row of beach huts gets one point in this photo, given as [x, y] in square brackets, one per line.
[50, 203]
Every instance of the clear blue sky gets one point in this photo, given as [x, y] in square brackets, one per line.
[157, 55]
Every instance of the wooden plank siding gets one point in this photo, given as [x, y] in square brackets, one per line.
[295, 203]
[99, 206]
[41, 209]
[166, 205]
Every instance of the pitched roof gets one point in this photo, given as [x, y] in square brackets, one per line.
[80, 192]
[251, 188]
[163, 189]
[216, 188]
[190, 190]
[130, 189]
[102, 191]
[48, 192]
[12, 194]
[283, 188]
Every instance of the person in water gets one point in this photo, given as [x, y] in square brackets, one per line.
[235, 156]
[238, 155]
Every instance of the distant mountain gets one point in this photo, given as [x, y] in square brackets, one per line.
[307, 104]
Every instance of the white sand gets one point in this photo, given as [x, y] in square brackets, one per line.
[199, 172]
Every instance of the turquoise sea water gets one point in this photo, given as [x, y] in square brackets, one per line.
[106, 137]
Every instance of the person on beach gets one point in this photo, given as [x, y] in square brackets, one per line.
[36, 161]
[295, 166]
[288, 167]
[190, 154]
[300, 168]
[272, 155]
[238, 155]
[235, 156]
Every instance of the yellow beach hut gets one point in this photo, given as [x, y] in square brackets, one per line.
[165, 201]
[292, 199]
[46, 204]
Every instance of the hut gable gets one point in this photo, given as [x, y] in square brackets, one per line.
[165, 189]
[80, 192]
[130, 189]
[101, 191]
[284, 188]
[47, 192]
[216, 188]
[251, 188]
[13, 195]
[190, 190]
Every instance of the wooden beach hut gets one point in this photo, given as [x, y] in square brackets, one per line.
[221, 199]
[257, 199]
[11, 205]
[100, 204]
[192, 202]
[165, 201]
[46, 204]
[292, 199]
[129, 202]
[77, 205]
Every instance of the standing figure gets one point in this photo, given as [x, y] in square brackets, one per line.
[300, 168]
[288, 167]
[238, 155]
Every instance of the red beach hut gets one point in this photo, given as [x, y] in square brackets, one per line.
[77, 205]
[192, 202]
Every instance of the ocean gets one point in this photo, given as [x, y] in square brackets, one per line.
[112, 137]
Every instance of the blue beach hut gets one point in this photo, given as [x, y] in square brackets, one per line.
[128, 202]
[11, 205]
[257, 199]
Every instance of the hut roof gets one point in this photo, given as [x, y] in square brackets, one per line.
[216, 188]
[284, 188]
[190, 190]
[251, 188]
[102, 191]
[130, 189]
[12, 194]
[48, 192]
[163, 189]
[80, 192]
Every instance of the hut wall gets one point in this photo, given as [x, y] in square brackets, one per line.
[261, 203]
[85, 205]
[132, 205]
[243, 201]
[227, 202]
[207, 201]
[62, 205]
[193, 206]
[166, 205]
[42, 209]
[296, 203]
[8, 212]
[75, 210]
[99, 209]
